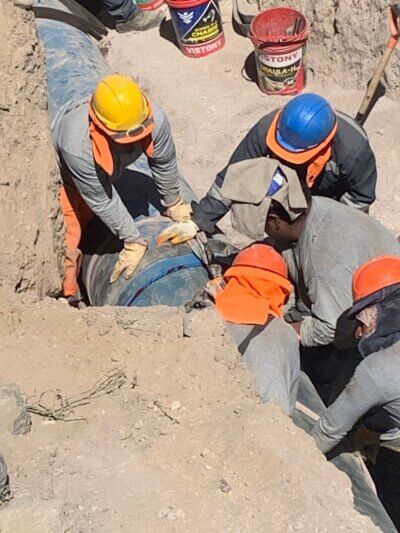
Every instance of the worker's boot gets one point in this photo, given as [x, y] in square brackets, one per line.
[142, 21]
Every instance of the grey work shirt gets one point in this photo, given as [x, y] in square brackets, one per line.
[335, 241]
[375, 383]
[70, 129]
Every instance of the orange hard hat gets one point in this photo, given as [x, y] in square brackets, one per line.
[371, 277]
[262, 256]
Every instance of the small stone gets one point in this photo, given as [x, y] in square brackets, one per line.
[175, 406]
[205, 452]
[150, 405]
[224, 486]
[114, 359]
[208, 467]
[166, 511]
[139, 424]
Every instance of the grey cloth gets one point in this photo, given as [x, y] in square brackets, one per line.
[335, 241]
[121, 10]
[251, 185]
[271, 353]
[374, 390]
[73, 146]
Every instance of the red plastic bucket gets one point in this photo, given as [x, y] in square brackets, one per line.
[145, 5]
[279, 36]
[198, 26]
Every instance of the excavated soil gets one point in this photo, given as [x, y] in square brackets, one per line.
[128, 466]
[185, 444]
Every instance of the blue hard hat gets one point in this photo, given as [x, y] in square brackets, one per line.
[305, 122]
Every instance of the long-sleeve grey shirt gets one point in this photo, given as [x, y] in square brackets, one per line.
[375, 383]
[335, 241]
[73, 146]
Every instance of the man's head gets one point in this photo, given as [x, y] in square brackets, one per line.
[370, 281]
[302, 128]
[283, 224]
[119, 108]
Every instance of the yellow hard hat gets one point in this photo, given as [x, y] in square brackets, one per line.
[119, 103]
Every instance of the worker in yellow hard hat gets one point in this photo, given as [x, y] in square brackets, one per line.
[96, 139]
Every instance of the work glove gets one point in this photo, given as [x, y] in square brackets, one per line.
[179, 212]
[128, 260]
[178, 232]
[366, 442]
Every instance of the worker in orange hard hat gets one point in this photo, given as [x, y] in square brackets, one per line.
[96, 138]
[250, 297]
[373, 394]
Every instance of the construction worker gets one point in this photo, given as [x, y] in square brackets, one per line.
[323, 243]
[96, 140]
[328, 150]
[373, 394]
[102, 124]
[250, 298]
[323, 247]
[126, 14]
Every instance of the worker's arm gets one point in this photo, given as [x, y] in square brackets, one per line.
[327, 293]
[163, 163]
[101, 197]
[360, 396]
[214, 206]
[360, 175]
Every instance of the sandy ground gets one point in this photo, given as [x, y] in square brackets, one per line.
[185, 444]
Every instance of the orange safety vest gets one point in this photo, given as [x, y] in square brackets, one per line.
[101, 139]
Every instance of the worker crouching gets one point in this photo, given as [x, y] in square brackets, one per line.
[372, 398]
[250, 298]
[96, 140]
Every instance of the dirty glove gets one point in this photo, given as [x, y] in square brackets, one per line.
[178, 232]
[366, 442]
[179, 212]
[215, 286]
[128, 260]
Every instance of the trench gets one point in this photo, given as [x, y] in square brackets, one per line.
[172, 275]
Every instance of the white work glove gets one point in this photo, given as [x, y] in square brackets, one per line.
[179, 212]
[178, 232]
[128, 260]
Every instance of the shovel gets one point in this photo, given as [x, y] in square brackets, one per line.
[394, 24]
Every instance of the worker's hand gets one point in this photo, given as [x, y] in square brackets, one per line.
[215, 286]
[366, 442]
[128, 260]
[179, 212]
[178, 232]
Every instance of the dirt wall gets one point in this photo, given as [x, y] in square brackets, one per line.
[30, 225]
[347, 38]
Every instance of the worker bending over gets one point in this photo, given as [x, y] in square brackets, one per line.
[250, 297]
[323, 243]
[96, 138]
[373, 394]
[328, 150]
[323, 247]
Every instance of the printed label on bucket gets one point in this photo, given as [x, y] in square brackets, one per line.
[199, 29]
[280, 73]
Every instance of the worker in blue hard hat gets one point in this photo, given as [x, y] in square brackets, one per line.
[328, 150]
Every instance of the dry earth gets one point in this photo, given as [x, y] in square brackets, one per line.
[129, 467]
